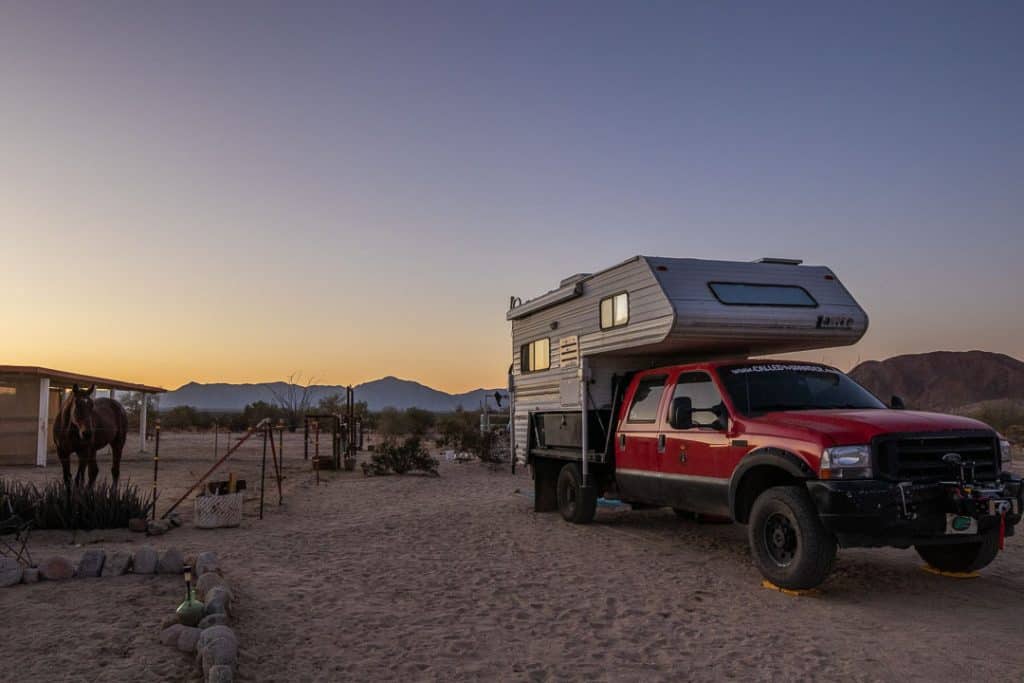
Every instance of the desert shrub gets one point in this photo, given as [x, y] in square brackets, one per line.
[394, 458]
[1000, 415]
[102, 506]
[460, 431]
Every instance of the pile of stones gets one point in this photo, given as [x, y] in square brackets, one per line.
[93, 563]
[213, 641]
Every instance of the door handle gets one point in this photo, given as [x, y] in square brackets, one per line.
[622, 442]
[661, 443]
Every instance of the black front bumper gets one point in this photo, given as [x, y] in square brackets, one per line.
[873, 513]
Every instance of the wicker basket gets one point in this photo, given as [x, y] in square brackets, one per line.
[213, 512]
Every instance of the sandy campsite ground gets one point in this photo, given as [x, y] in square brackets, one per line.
[415, 578]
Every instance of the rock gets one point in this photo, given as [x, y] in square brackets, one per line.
[188, 637]
[169, 620]
[30, 575]
[218, 646]
[10, 571]
[207, 563]
[213, 620]
[218, 601]
[91, 564]
[157, 527]
[170, 635]
[207, 582]
[117, 563]
[174, 519]
[145, 560]
[56, 569]
[171, 562]
[220, 674]
[138, 524]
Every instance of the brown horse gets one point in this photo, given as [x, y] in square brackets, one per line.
[84, 426]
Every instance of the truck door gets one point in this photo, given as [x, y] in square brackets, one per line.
[689, 458]
[636, 443]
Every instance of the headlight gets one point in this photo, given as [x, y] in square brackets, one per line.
[846, 462]
[1005, 452]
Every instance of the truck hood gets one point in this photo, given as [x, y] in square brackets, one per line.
[847, 427]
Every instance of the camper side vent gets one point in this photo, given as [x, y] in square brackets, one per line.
[569, 351]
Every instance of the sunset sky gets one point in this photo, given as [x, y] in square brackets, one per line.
[237, 191]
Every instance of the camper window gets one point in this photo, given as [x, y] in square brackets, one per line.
[536, 355]
[615, 310]
[747, 294]
[647, 399]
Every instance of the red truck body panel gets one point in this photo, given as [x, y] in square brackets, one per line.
[704, 452]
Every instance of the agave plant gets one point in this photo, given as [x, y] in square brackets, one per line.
[102, 506]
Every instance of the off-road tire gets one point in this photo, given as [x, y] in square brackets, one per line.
[789, 545]
[961, 557]
[574, 506]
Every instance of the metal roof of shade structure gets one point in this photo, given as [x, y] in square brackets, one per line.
[30, 397]
[64, 377]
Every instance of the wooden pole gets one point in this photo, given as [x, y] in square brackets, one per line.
[263, 470]
[277, 468]
[156, 459]
[232, 449]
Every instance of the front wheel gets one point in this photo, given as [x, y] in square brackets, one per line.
[961, 557]
[577, 503]
[787, 540]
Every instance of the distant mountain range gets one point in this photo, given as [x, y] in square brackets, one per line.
[947, 381]
[940, 381]
[382, 393]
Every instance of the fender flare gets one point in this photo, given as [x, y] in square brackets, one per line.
[778, 458]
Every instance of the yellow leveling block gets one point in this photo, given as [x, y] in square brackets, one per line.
[952, 575]
[811, 592]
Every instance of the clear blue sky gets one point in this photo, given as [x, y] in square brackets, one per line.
[165, 168]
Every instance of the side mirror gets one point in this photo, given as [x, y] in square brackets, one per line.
[896, 403]
[681, 416]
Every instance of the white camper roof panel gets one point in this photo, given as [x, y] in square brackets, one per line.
[692, 307]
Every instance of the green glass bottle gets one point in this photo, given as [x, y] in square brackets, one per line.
[190, 612]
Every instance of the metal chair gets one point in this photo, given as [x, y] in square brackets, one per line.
[14, 525]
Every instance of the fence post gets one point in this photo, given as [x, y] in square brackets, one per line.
[156, 459]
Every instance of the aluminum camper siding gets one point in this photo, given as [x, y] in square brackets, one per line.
[674, 317]
[650, 320]
[706, 326]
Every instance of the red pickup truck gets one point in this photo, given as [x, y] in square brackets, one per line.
[804, 456]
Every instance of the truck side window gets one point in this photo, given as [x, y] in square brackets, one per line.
[647, 399]
[703, 395]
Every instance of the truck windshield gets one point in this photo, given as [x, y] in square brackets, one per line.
[758, 388]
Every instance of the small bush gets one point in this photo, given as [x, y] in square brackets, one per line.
[101, 506]
[392, 458]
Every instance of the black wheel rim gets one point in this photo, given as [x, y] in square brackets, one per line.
[780, 539]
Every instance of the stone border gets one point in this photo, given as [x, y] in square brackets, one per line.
[213, 641]
[94, 563]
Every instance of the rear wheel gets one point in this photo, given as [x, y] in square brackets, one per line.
[576, 503]
[961, 557]
[790, 546]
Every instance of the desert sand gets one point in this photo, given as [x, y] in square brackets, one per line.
[455, 578]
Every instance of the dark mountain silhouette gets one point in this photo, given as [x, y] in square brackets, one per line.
[382, 393]
[944, 380]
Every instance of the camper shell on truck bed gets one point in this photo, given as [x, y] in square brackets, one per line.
[651, 311]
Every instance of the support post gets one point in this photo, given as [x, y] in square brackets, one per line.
[43, 433]
[156, 458]
[143, 415]
[112, 395]
[263, 468]
[512, 418]
[583, 416]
